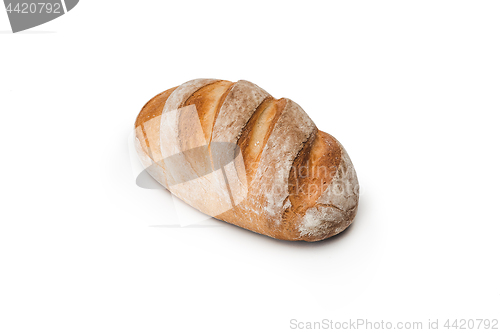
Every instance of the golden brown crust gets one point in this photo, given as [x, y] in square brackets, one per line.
[312, 171]
[290, 167]
[151, 110]
[208, 101]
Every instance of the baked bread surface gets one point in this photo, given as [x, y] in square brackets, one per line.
[232, 151]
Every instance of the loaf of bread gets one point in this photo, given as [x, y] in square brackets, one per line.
[232, 151]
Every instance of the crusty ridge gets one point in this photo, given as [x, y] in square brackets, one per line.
[255, 134]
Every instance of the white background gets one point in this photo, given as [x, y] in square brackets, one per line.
[411, 89]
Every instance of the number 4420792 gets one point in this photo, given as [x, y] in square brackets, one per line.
[463, 324]
[32, 8]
